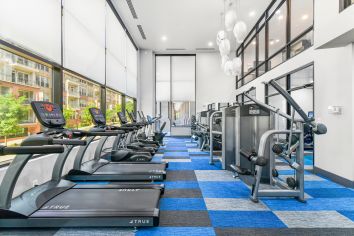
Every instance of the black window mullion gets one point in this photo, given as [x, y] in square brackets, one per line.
[288, 28]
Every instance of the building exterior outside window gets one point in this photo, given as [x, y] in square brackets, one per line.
[22, 80]
[79, 95]
[113, 106]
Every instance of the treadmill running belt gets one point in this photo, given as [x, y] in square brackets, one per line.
[113, 168]
[104, 200]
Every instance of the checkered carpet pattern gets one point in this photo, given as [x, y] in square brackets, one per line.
[202, 199]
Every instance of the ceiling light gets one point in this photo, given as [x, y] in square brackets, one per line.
[278, 12]
[252, 13]
[210, 44]
[280, 17]
[164, 38]
[277, 40]
[271, 42]
[305, 17]
[254, 42]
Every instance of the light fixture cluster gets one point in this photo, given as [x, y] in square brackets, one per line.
[231, 67]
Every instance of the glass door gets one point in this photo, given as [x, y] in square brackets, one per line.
[175, 92]
[163, 90]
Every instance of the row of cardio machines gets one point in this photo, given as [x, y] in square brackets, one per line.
[117, 188]
[258, 139]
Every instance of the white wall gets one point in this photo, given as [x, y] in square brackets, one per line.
[146, 82]
[212, 84]
[333, 28]
[334, 86]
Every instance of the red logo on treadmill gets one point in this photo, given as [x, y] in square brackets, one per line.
[48, 107]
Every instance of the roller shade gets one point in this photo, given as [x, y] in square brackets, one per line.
[35, 26]
[84, 37]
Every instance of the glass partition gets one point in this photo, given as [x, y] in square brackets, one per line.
[22, 80]
[282, 32]
[79, 94]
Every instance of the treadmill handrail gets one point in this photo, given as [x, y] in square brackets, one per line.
[18, 163]
[47, 149]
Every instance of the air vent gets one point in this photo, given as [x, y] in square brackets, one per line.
[205, 49]
[175, 49]
[142, 33]
[132, 9]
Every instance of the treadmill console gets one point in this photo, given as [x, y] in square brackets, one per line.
[48, 114]
[97, 116]
[122, 118]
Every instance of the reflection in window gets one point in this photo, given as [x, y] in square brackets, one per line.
[277, 31]
[250, 58]
[113, 106]
[302, 77]
[281, 82]
[261, 52]
[79, 95]
[181, 113]
[301, 44]
[301, 16]
[18, 87]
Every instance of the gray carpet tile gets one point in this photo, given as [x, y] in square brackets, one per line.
[184, 219]
[314, 219]
[233, 204]
[214, 175]
[183, 193]
[187, 175]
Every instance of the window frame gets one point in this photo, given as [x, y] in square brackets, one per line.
[58, 71]
[263, 24]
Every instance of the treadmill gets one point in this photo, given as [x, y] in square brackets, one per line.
[99, 169]
[62, 203]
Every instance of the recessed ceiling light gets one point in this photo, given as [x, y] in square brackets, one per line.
[271, 42]
[280, 17]
[164, 38]
[254, 42]
[278, 12]
[277, 40]
[252, 13]
[305, 17]
[210, 44]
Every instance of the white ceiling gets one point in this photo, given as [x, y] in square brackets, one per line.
[187, 24]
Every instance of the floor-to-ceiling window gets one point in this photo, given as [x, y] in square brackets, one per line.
[175, 91]
[300, 85]
[22, 80]
[129, 106]
[114, 105]
[283, 31]
[79, 94]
